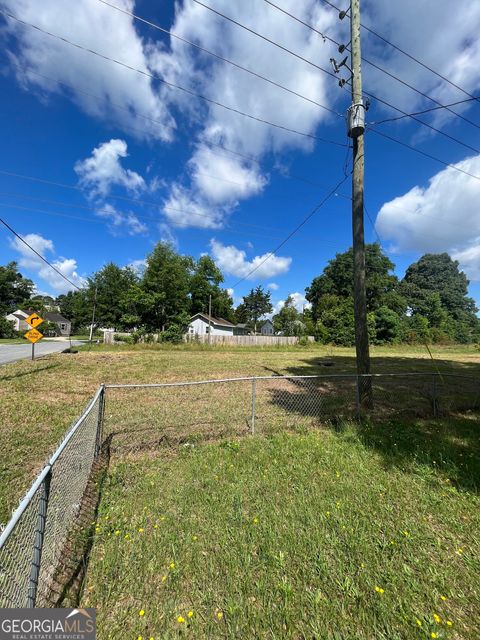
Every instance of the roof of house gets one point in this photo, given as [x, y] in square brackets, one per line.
[267, 321]
[218, 321]
[55, 317]
[241, 325]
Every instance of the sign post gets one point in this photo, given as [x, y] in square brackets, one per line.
[33, 335]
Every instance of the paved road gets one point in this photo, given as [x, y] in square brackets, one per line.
[14, 352]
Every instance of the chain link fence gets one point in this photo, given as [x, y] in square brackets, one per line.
[139, 419]
[34, 542]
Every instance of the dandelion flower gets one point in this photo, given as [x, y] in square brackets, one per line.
[141, 613]
[140, 530]
[449, 623]
[406, 534]
[255, 521]
[219, 615]
[194, 538]
[419, 622]
[443, 598]
[172, 565]
[155, 526]
[190, 614]
[459, 551]
[379, 590]
[164, 578]
[437, 618]
[180, 619]
[434, 635]
[140, 638]
[117, 533]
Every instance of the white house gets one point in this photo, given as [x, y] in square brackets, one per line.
[199, 326]
[18, 319]
[267, 328]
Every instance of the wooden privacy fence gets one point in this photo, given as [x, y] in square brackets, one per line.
[246, 341]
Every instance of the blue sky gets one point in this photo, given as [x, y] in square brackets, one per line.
[144, 160]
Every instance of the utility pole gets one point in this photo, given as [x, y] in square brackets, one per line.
[93, 314]
[210, 319]
[356, 132]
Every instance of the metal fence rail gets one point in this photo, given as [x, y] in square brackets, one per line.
[142, 417]
[32, 543]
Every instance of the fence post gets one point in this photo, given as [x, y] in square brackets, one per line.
[434, 396]
[254, 399]
[101, 406]
[38, 542]
[357, 397]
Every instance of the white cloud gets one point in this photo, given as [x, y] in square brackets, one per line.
[183, 208]
[273, 286]
[29, 260]
[138, 266]
[299, 302]
[167, 235]
[102, 170]
[120, 222]
[234, 261]
[450, 46]
[102, 89]
[440, 217]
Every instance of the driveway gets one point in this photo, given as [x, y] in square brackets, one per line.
[14, 352]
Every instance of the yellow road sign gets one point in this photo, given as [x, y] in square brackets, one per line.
[33, 335]
[34, 320]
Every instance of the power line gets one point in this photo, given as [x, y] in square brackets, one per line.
[329, 73]
[17, 235]
[219, 57]
[408, 55]
[173, 85]
[419, 113]
[375, 66]
[423, 153]
[294, 231]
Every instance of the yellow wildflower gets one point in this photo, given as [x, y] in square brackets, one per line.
[117, 533]
[379, 590]
[140, 530]
[255, 521]
[180, 619]
[164, 578]
[172, 565]
[443, 598]
[219, 615]
[141, 613]
[437, 618]
[194, 538]
[449, 623]
[434, 635]
[190, 614]
[419, 622]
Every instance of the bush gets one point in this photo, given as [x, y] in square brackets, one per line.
[7, 328]
[119, 337]
[303, 341]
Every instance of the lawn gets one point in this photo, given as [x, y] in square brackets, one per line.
[39, 400]
[338, 531]
[369, 533]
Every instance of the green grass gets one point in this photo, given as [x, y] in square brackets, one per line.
[340, 534]
[40, 399]
[13, 341]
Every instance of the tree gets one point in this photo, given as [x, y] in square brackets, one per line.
[75, 306]
[382, 287]
[204, 283]
[438, 273]
[288, 320]
[15, 290]
[388, 325]
[166, 283]
[257, 303]
[110, 287]
[241, 314]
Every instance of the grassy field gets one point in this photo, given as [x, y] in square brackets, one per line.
[365, 531]
[342, 534]
[39, 400]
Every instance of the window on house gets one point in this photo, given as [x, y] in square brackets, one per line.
[63, 326]
[207, 329]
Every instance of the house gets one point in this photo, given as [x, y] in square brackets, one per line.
[267, 328]
[18, 319]
[199, 326]
[64, 326]
[241, 330]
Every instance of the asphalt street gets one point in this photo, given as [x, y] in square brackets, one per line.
[14, 352]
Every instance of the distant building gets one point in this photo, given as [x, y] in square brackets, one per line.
[64, 326]
[199, 326]
[241, 330]
[18, 319]
[267, 328]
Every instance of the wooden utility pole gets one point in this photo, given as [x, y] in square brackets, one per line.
[356, 132]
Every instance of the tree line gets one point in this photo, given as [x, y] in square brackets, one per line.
[430, 303]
